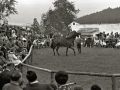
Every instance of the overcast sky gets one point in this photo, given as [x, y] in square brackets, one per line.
[30, 9]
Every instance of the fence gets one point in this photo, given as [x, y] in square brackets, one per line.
[29, 59]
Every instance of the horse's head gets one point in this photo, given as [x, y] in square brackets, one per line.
[76, 34]
[73, 34]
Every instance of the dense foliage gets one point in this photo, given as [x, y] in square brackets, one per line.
[105, 16]
[58, 19]
[7, 7]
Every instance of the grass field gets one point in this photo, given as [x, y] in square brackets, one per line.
[97, 60]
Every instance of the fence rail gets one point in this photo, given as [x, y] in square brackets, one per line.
[52, 72]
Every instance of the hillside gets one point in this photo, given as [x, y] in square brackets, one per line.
[108, 15]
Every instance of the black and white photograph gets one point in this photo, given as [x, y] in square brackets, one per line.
[59, 44]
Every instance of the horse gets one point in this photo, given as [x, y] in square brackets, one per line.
[64, 41]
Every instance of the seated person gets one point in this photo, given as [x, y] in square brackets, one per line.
[13, 58]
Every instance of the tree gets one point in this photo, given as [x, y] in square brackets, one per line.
[36, 26]
[7, 7]
[58, 19]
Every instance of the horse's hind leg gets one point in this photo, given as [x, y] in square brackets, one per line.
[73, 50]
[57, 50]
[54, 51]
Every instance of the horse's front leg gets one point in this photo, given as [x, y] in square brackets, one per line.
[57, 50]
[73, 50]
[66, 51]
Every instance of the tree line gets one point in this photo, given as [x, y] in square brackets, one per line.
[108, 15]
[7, 7]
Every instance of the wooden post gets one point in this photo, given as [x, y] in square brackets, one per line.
[113, 83]
[28, 63]
[52, 77]
[31, 55]
[21, 67]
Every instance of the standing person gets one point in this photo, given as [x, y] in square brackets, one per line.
[33, 83]
[29, 43]
[16, 80]
[6, 75]
[78, 42]
[92, 41]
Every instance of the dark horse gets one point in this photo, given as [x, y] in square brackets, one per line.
[64, 41]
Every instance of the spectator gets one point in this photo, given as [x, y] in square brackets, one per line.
[29, 43]
[15, 48]
[13, 58]
[2, 59]
[20, 44]
[78, 42]
[95, 87]
[1, 41]
[61, 78]
[6, 74]
[16, 80]
[4, 49]
[9, 44]
[34, 84]
[24, 53]
[92, 41]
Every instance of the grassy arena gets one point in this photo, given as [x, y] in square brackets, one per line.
[97, 60]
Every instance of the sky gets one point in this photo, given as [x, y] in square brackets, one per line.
[30, 9]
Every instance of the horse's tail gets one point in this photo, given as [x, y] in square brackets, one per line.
[51, 45]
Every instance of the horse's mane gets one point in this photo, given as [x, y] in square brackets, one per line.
[71, 35]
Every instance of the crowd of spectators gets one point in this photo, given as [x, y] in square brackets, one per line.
[102, 39]
[12, 79]
[15, 43]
